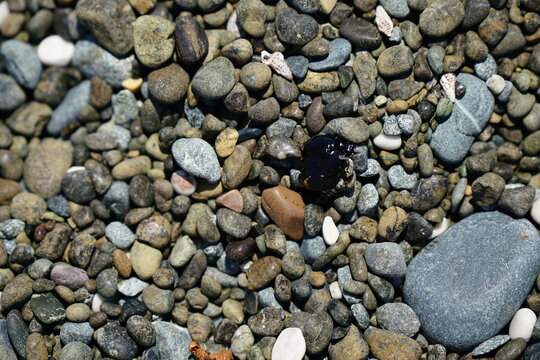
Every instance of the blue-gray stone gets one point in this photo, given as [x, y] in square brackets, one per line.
[400, 179]
[81, 332]
[194, 115]
[490, 345]
[505, 93]
[248, 133]
[435, 59]
[399, 318]
[386, 259]
[120, 235]
[298, 65]
[367, 200]
[119, 133]
[228, 266]
[59, 205]
[361, 316]
[304, 101]
[21, 62]
[11, 94]
[267, 298]
[373, 169]
[485, 69]
[92, 60]
[151, 354]
[4, 337]
[338, 54]
[117, 198]
[532, 352]
[391, 126]
[468, 283]
[344, 274]
[452, 139]
[10, 228]
[396, 8]
[125, 108]
[198, 158]
[305, 6]
[312, 248]
[406, 123]
[172, 341]
[66, 113]
[283, 126]
[76, 351]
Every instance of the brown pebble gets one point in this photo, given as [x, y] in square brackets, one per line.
[8, 189]
[122, 263]
[286, 208]
[232, 200]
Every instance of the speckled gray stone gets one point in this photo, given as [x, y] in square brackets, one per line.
[453, 138]
[298, 65]
[491, 344]
[120, 235]
[396, 8]
[361, 315]
[93, 60]
[367, 200]
[338, 54]
[312, 248]
[198, 158]
[485, 69]
[71, 331]
[386, 259]
[400, 179]
[171, 340]
[398, 317]
[468, 283]
[66, 113]
[21, 62]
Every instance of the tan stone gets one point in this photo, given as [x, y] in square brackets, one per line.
[122, 263]
[387, 345]
[145, 260]
[262, 272]
[8, 189]
[286, 208]
[226, 141]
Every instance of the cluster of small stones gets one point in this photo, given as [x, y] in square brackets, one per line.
[153, 203]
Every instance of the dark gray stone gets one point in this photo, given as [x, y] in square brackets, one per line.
[453, 138]
[386, 259]
[468, 283]
[66, 113]
[76, 332]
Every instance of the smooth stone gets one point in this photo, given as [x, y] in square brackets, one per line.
[490, 345]
[47, 308]
[76, 351]
[286, 208]
[400, 179]
[214, 79]
[82, 332]
[198, 158]
[290, 345]
[192, 42]
[153, 40]
[481, 245]
[295, 29]
[115, 342]
[522, 324]
[92, 60]
[145, 260]
[4, 11]
[21, 62]
[11, 94]
[55, 51]
[329, 231]
[384, 345]
[120, 235]
[66, 113]
[171, 340]
[131, 287]
[387, 142]
[398, 317]
[386, 259]
[441, 17]
[452, 139]
[338, 54]
[361, 33]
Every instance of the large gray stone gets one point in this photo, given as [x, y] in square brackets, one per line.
[172, 340]
[468, 283]
[453, 138]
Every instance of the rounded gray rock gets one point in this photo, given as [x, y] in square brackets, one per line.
[198, 158]
[21, 62]
[386, 259]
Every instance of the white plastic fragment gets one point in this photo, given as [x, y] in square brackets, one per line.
[383, 21]
[522, 324]
[448, 83]
[277, 62]
[330, 231]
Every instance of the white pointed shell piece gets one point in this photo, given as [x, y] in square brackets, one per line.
[277, 62]
[448, 83]
[383, 21]
[232, 24]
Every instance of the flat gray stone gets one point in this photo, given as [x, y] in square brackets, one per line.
[21, 62]
[198, 158]
[490, 344]
[66, 113]
[468, 283]
[453, 138]
[338, 54]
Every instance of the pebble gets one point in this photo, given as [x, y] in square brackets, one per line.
[522, 324]
[496, 84]
[115, 342]
[79, 332]
[395, 61]
[289, 345]
[198, 158]
[398, 317]
[490, 345]
[215, 79]
[295, 29]
[183, 183]
[361, 33]
[4, 11]
[69, 276]
[286, 208]
[131, 287]
[400, 179]
[441, 17]
[386, 259]
[55, 51]
[152, 40]
[385, 344]
[387, 142]
[66, 113]
[338, 53]
[11, 95]
[233, 223]
[145, 260]
[76, 351]
[47, 308]
[21, 62]
[329, 231]
[480, 231]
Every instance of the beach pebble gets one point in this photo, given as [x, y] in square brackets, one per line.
[330, 231]
[183, 183]
[289, 345]
[21, 62]
[55, 51]
[198, 158]
[387, 142]
[522, 324]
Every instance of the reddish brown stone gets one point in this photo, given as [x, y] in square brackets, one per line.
[232, 200]
[286, 208]
[8, 189]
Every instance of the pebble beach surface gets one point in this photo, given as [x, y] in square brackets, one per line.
[269, 180]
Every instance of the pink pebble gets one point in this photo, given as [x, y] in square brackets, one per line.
[183, 183]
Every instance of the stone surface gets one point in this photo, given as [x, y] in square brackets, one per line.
[21, 62]
[171, 340]
[286, 208]
[459, 298]
[198, 158]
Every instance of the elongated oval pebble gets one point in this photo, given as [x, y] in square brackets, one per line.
[522, 324]
[330, 231]
[183, 183]
[290, 345]
[387, 142]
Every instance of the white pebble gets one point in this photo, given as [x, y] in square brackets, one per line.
[97, 300]
[335, 291]
[535, 211]
[55, 51]
[440, 228]
[522, 324]
[290, 345]
[4, 11]
[496, 84]
[132, 286]
[330, 231]
[75, 168]
[380, 100]
[387, 142]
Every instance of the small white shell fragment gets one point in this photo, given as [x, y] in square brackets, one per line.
[448, 83]
[535, 211]
[335, 291]
[232, 24]
[522, 324]
[290, 345]
[277, 62]
[440, 228]
[387, 142]
[330, 231]
[4, 11]
[383, 21]
[55, 51]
